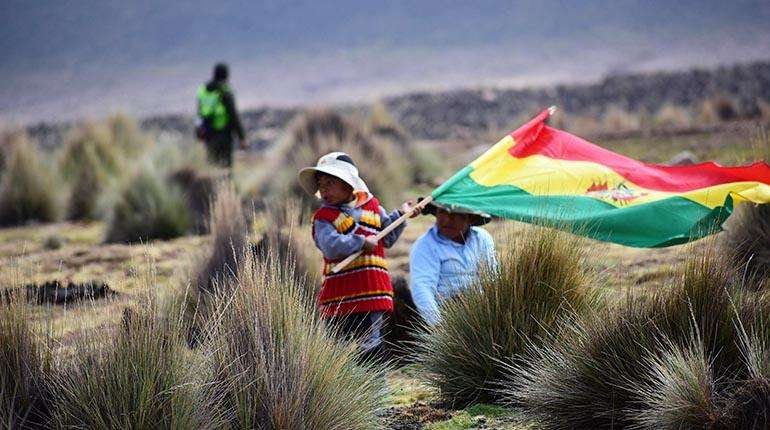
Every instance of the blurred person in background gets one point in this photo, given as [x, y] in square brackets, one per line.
[219, 121]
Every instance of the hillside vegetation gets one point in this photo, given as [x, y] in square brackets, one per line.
[211, 322]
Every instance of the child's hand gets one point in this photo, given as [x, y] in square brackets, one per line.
[370, 243]
[407, 206]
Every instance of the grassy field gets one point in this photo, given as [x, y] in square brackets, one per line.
[76, 251]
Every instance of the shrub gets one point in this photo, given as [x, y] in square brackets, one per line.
[274, 364]
[230, 237]
[590, 376]
[27, 192]
[684, 390]
[541, 278]
[24, 368]
[672, 116]
[617, 119]
[199, 190]
[748, 404]
[9, 141]
[88, 161]
[576, 381]
[91, 146]
[88, 184]
[764, 110]
[136, 376]
[169, 154]
[126, 136]
[746, 243]
[581, 125]
[148, 208]
[279, 232]
[679, 390]
[382, 123]
[53, 242]
[316, 133]
[718, 109]
[428, 165]
[93, 157]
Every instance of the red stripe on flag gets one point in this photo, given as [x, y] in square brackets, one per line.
[536, 138]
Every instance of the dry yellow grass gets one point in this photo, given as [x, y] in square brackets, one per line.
[25, 254]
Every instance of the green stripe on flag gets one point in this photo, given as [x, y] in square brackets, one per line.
[661, 223]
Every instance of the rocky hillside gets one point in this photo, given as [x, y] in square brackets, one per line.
[444, 115]
[464, 112]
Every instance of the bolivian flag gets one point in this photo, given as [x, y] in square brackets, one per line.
[547, 176]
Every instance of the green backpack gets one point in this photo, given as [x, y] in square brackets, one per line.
[211, 109]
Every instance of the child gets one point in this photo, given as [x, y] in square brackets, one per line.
[360, 295]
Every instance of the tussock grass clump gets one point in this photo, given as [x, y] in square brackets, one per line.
[719, 108]
[423, 165]
[230, 238]
[9, 141]
[218, 267]
[199, 190]
[748, 404]
[89, 182]
[274, 364]
[684, 390]
[316, 133]
[672, 116]
[590, 376]
[541, 279]
[577, 381]
[89, 145]
[429, 166]
[27, 192]
[93, 159]
[680, 390]
[126, 136]
[747, 240]
[617, 119]
[24, 368]
[281, 235]
[87, 161]
[136, 376]
[148, 208]
[581, 125]
[382, 123]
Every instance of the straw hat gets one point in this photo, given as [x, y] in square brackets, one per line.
[337, 164]
[477, 218]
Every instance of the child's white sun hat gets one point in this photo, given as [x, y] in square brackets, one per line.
[337, 164]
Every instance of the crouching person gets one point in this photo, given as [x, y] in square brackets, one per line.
[358, 298]
[447, 258]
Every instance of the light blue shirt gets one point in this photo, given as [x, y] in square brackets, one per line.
[441, 268]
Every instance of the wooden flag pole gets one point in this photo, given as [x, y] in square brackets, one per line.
[424, 202]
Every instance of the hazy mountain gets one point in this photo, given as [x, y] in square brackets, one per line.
[65, 59]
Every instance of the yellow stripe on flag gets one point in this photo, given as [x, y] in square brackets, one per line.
[541, 175]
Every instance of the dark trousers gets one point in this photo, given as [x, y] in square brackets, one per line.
[219, 146]
[365, 328]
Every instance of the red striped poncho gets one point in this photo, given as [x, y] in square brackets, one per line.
[363, 285]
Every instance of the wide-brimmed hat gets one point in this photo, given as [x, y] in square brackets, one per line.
[337, 164]
[477, 218]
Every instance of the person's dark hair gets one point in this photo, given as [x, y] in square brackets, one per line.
[221, 72]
